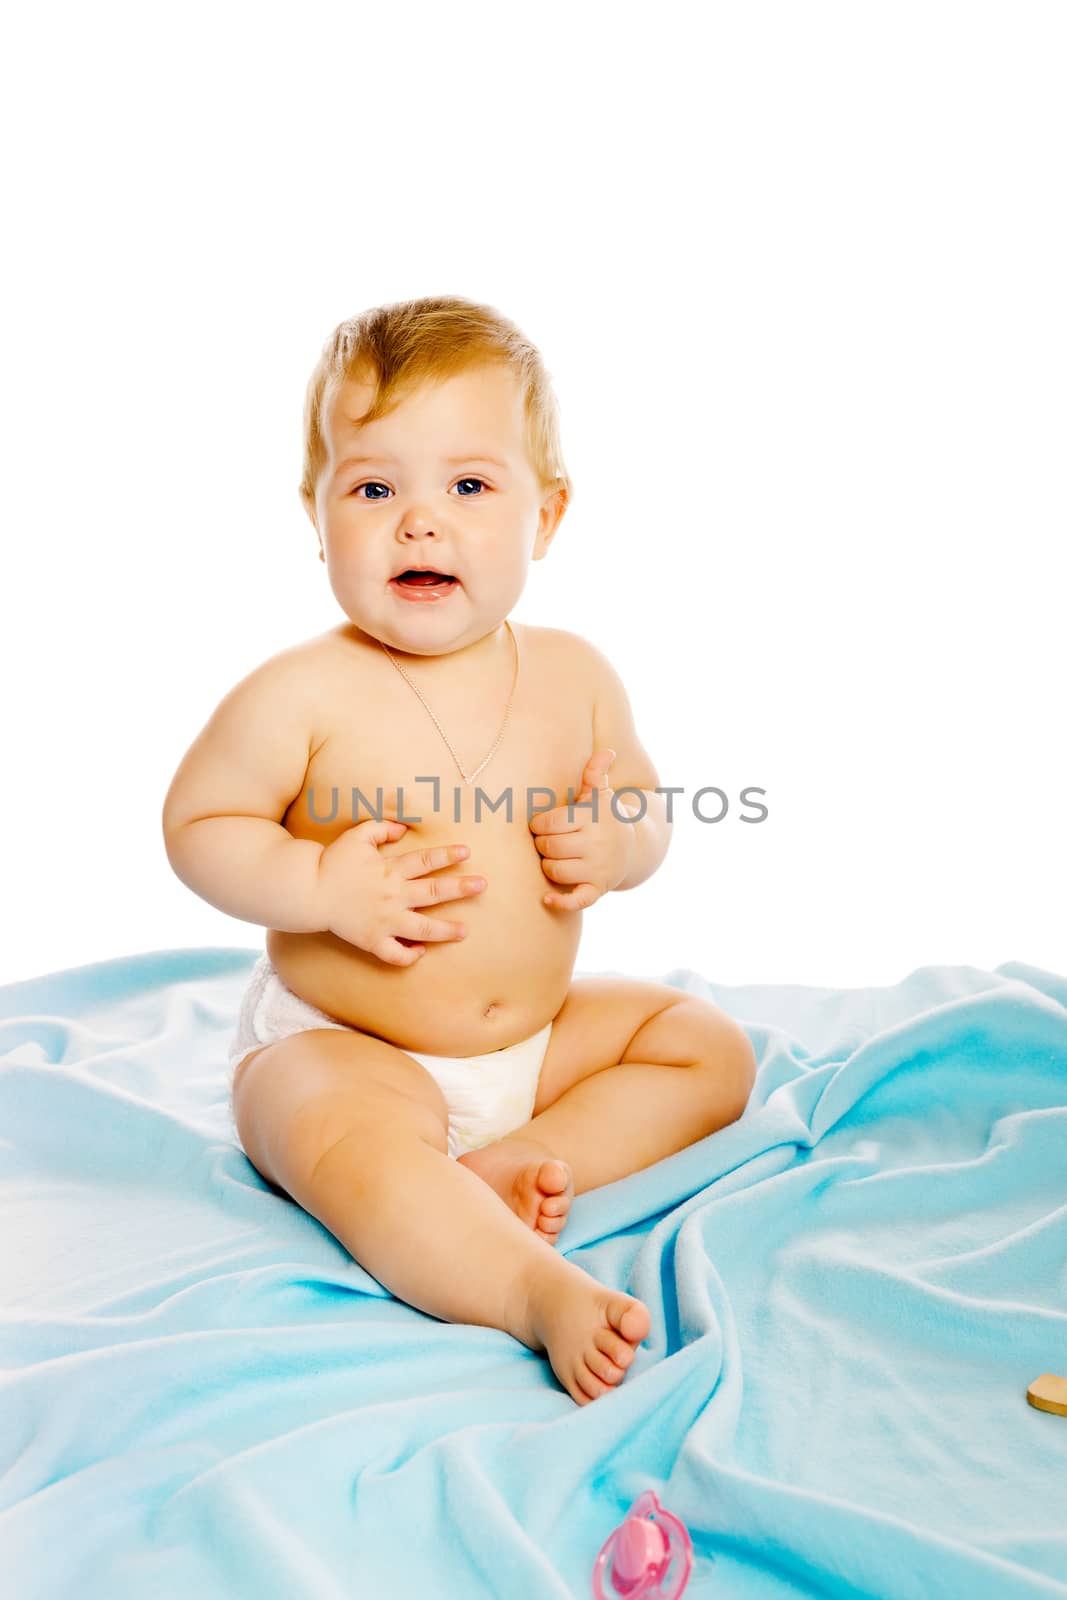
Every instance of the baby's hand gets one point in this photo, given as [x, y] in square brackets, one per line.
[576, 850]
[368, 898]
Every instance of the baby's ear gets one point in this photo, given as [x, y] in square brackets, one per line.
[309, 507]
[552, 512]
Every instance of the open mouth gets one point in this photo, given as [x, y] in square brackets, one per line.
[413, 579]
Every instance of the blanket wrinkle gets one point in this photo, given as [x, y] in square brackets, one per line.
[202, 1393]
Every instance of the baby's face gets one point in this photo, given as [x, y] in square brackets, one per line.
[443, 481]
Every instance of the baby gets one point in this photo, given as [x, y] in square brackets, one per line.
[433, 1087]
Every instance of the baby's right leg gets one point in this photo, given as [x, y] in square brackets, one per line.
[356, 1132]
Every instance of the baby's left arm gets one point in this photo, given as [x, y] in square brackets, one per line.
[587, 852]
[632, 771]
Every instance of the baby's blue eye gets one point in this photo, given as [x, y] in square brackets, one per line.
[376, 485]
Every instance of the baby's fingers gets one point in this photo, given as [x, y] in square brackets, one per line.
[413, 863]
[418, 928]
[580, 898]
[403, 951]
[397, 953]
[432, 891]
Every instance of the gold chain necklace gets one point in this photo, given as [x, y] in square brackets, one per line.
[467, 778]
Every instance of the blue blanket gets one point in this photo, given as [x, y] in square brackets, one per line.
[202, 1395]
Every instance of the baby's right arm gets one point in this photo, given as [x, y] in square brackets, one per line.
[222, 814]
[224, 835]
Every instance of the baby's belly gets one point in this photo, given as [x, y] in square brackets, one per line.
[500, 984]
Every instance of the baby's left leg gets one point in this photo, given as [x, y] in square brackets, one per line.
[634, 1072]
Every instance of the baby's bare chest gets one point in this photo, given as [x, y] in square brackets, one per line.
[390, 759]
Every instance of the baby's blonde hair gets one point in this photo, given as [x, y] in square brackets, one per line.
[408, 342]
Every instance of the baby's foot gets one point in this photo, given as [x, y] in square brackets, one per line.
[590, 1332]
[535, 1184]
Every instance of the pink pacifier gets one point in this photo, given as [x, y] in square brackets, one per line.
[650, 1554]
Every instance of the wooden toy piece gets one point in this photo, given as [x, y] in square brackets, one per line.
[1049, 1393]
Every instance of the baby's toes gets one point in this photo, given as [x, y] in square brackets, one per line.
[589, 1383]
[614, 1347]
[553, 1207]
[555, 1177]
[550, 1228]
[603, 1367]
[628, 1317]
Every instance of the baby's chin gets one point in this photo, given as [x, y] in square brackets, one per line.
[422, 634]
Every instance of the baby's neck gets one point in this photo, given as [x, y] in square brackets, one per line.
[479, 658]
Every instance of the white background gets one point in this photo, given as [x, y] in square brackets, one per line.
[798, 273]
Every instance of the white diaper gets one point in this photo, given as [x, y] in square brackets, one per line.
[487, 1095]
